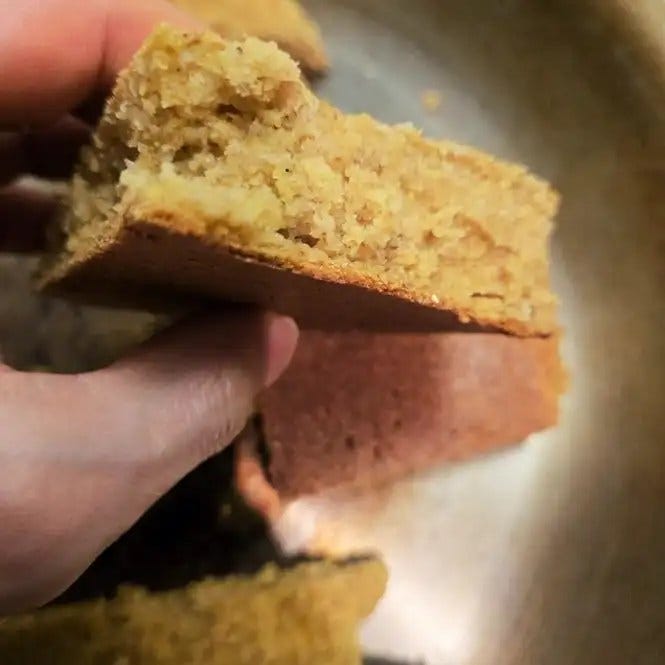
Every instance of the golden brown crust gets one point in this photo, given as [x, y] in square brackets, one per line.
[361, 409]
[163, 256]
[282, 21]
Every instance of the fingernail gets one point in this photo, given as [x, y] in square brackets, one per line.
[282, 338]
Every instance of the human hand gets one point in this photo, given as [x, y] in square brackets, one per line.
[58, 60]
[82, 457]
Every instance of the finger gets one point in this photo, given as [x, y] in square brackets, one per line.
[191, 387]
[84, 456]
[25, 216]
[198, 381]
[53, 57]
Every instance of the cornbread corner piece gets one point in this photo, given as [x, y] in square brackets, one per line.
[309, 614]
[283, 21]
[215, 171]
[418, 401]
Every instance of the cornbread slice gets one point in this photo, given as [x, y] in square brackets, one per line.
[216, 171]
[306, 615]
[282, 21]
[359, 409]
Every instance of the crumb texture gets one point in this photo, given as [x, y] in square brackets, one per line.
[282, 21]
[297, 617]
[224, 141]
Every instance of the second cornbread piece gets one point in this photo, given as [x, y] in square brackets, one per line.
[216, 171]
[306, 615]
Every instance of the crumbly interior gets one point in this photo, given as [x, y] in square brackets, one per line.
[306, 615]
[226, 136]
[283, 21]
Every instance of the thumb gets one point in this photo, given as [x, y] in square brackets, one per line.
[190, 390]
[84, 456]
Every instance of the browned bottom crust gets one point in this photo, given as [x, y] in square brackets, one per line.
[155, 263]
[361, 409]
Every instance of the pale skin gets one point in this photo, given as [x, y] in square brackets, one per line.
[82, 457]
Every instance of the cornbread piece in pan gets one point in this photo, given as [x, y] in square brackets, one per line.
[282, 21]
[215, 171]
[358, 409]
[309, 614]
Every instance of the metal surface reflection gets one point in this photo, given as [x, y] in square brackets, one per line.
[553, 552]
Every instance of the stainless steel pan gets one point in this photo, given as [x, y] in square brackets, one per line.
[553, 552]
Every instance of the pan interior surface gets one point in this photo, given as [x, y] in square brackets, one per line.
[553, 552]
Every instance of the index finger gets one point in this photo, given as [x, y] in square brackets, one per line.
[54, 54]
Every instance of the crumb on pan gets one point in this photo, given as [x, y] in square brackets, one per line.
[431, 100]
